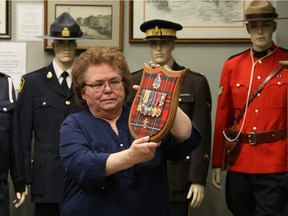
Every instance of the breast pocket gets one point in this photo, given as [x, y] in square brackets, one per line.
[45, 110]
[239, 89]
[276, 94]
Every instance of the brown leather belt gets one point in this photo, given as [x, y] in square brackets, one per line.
[253, 138]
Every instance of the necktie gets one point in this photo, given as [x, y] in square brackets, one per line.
[64, 82]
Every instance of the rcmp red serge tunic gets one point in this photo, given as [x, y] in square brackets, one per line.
[266, 112]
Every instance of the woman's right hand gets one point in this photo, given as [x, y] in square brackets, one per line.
[142, 150]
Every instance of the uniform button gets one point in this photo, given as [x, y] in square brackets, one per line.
[67, 103]
[103, 188]
[258, 94]
[187, 157]
[44, 103]
[256, 110]
[4, 109]
[260, 62]
[254, 128]
[238, 85]
[258, 77]
[279, 83]
[180, 99]
[121, 145]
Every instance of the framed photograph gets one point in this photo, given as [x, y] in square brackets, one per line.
[5, 19]
[203, 21]
[98, 19]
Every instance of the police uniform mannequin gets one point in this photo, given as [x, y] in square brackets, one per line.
[187, 178]
[11, 149]
[256, 184]
[42, 106]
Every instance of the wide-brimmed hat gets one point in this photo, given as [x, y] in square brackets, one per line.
[64, 28]
[160, 29]
[260, 10]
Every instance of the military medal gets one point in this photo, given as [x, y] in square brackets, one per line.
[157, 82]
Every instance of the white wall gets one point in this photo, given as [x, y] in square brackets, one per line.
[205, 58]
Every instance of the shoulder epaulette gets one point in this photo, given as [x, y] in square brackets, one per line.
[3, 74]
[197, 73]
[138, 71]
[36, 71]
[283, 49]
[238, 54]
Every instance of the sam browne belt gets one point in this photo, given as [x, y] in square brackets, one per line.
[254, 138]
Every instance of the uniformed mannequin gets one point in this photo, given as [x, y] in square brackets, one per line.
[42, 106]
[187, 178]
[11, 149]
[256, 184]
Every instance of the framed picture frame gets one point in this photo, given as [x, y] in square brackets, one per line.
[100, 20]
[203, 21]
[5, 19]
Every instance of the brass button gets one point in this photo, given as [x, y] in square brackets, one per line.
[44, 103]
[67, 103]
[5, 109]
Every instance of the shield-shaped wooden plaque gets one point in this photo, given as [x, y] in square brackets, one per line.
[155, 104]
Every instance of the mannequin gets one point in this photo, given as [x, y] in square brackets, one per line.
[11, 153]
[42, 105]
[189, 186]
[251, 187]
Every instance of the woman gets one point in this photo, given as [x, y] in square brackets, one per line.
[107, 172]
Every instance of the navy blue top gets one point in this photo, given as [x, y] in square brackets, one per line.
[87, 142]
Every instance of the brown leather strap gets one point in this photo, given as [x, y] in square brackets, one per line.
[260, 87]
[264, 137]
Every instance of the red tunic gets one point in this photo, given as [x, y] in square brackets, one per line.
[266, 112]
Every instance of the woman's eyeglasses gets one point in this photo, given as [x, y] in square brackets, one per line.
[114, 84]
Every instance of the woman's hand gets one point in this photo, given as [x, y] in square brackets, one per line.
[141, 150]
[153, 65]
[284, 64]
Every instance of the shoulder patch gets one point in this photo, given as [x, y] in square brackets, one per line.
[22, 82]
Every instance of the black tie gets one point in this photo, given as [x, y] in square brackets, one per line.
[64, 82]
